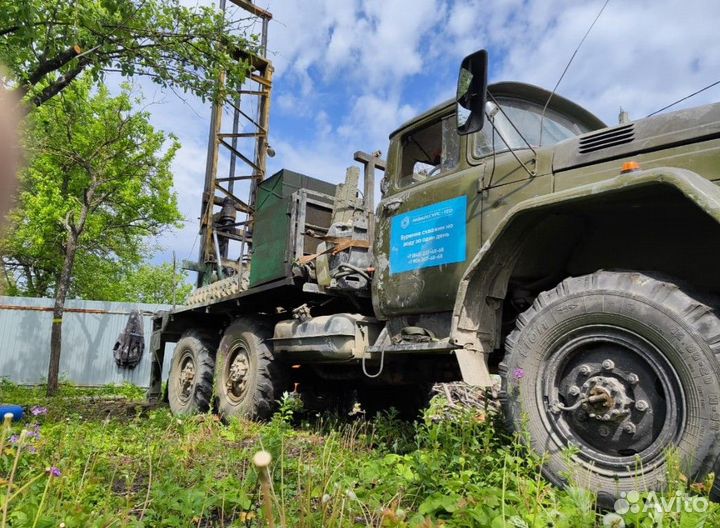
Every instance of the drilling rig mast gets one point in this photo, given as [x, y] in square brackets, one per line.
[226, 220]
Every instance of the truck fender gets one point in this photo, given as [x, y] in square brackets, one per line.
[477, 313]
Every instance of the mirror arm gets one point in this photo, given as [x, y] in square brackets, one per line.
[511, 124]
[512, 151]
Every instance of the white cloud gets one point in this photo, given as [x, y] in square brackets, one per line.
[371, 119]
[376, 41]
[640, 55]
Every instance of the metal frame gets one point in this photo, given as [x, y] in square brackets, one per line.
[298, 222]
[219, 224]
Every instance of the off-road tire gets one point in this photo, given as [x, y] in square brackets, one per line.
[685, 332]
[266, 377]
[195, 347]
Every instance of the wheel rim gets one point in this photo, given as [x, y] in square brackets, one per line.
[236, 373]
[614, 396]
[186, 378]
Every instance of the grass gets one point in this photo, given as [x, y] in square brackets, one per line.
[99, 458]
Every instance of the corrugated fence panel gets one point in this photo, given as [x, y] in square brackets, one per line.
[90, 330]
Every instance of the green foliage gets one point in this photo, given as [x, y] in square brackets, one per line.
[147, 283]
[290, 405]
[121, 463]
[48, 45]
[99, 178]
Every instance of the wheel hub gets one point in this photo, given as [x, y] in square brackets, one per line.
[187, 378]
[237, 374]
[612, 394]
[605, 399]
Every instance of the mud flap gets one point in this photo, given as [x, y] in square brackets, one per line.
[473, 367]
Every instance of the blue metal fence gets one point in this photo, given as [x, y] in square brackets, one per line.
[90, 329]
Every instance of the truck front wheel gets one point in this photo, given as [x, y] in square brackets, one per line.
[248, 379]
[609, 372]
[191, 375]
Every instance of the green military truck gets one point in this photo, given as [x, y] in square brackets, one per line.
[517, 234]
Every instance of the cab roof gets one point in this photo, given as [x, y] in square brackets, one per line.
[527, 92]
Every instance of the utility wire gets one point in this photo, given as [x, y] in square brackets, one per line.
[684, 98]
[567, 66]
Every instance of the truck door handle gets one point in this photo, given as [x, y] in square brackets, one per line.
[393, 205]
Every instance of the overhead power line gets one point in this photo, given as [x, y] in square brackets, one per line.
[567, 66]
[684, 98]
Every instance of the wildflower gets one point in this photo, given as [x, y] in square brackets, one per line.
[54, 471]
[31, 449]
[34, 433]
[39, 411]
[14, 439]
[325, 498]
[351, 494]
[518, 374]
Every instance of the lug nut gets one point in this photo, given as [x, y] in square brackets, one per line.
[633, 378]
[603, 430]
[641, 405]
[629, 428]
[574, 390]
[585, 370]
[608, 364]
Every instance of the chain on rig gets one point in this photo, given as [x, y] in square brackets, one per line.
[236, 163]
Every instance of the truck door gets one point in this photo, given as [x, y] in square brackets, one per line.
[429, 219]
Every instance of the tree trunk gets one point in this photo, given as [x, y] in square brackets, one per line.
[58, 311]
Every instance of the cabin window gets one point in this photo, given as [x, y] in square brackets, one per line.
[429, 152]
[526, 118]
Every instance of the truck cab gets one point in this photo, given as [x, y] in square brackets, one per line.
[445, 192]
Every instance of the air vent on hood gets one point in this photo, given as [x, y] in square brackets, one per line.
[607, 138]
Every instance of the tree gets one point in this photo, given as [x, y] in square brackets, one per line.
[48, 45]
[98, 184]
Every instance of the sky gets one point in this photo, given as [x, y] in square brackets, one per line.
[349, 72]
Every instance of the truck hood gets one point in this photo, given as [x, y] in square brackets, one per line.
[639, 137]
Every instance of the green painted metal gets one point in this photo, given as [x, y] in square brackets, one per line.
[272, 244]
[497, 186]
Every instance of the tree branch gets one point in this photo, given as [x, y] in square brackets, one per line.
[63, 81]
[51, 65]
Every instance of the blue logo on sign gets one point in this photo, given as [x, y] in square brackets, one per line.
[429, 236]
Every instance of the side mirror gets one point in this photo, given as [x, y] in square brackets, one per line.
[471, 93]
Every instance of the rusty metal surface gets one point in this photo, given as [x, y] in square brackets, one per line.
[90, 329]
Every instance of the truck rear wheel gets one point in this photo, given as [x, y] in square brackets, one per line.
[620, 367]
[191, 375]
[248, 380]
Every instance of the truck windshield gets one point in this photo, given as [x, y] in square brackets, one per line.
[526, 117]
